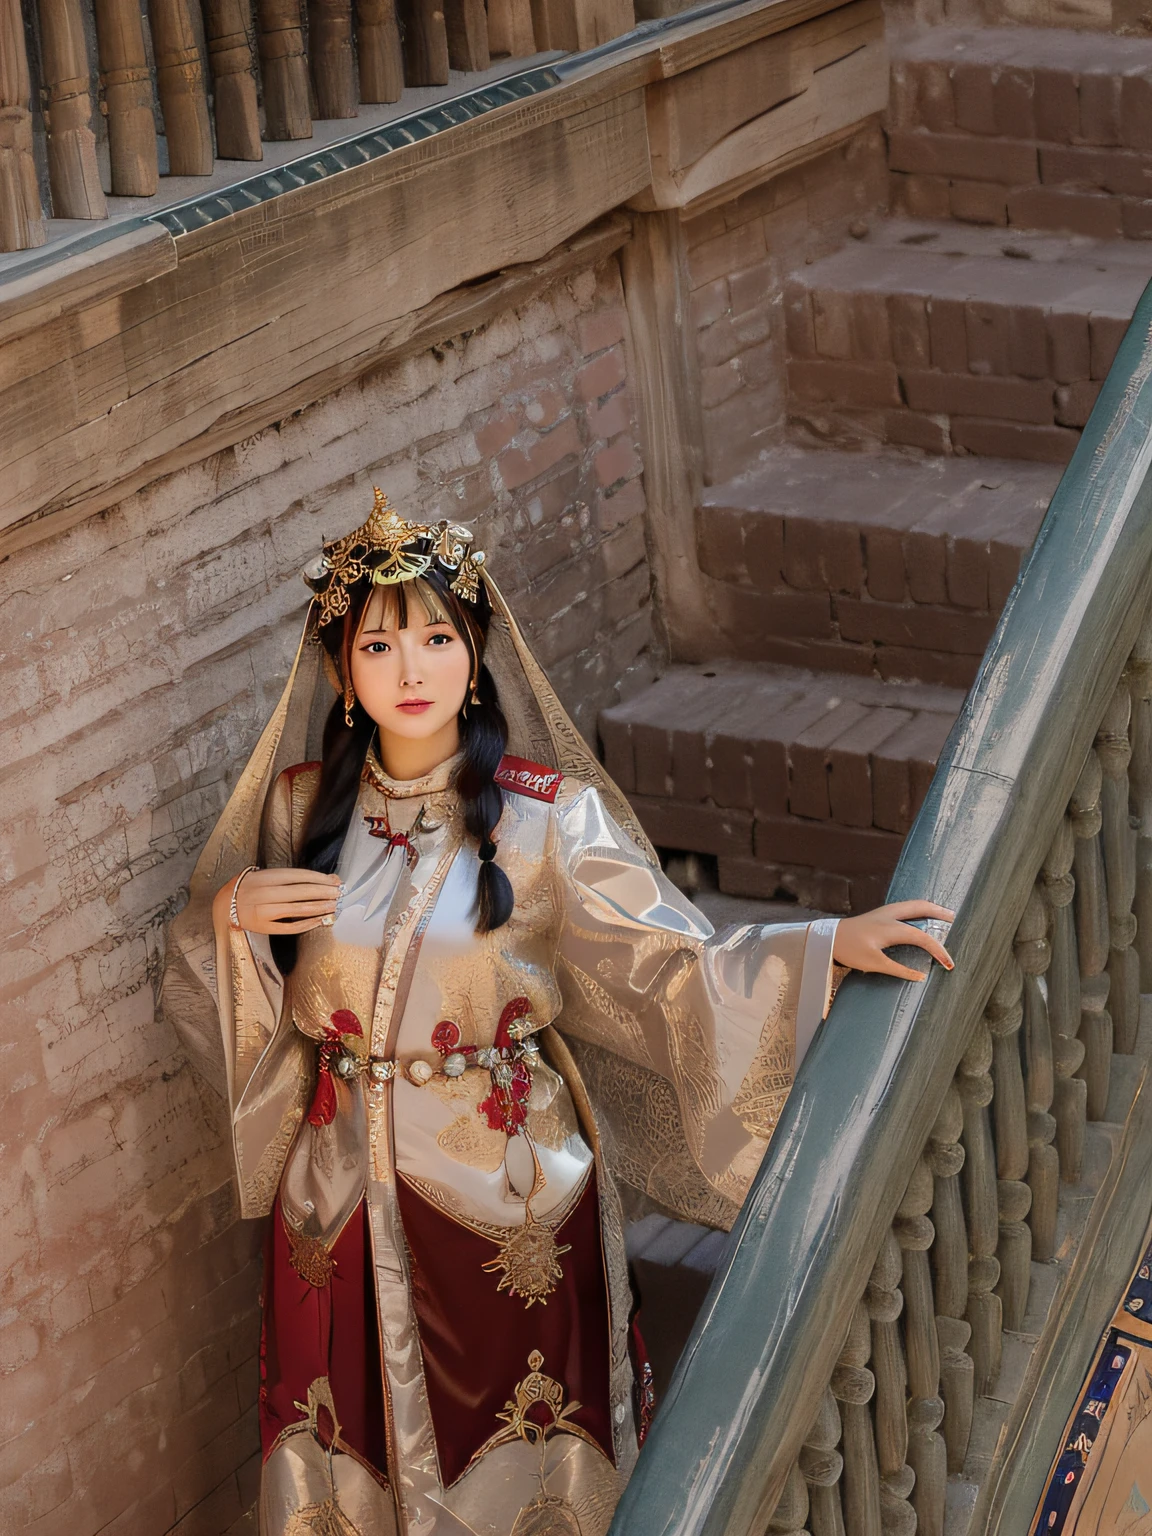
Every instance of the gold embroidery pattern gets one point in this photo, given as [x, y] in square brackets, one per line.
[469, 1140]
[309, 1257]
[261, 1186]
[529, 1259]
[547, 1515]
[640, 1118]
[324, 1517]
[536, 1390]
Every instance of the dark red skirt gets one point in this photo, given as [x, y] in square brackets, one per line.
[475, 1338]
[329, 1330]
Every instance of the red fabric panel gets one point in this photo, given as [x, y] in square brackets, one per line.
[476, 1339]
[330, 1330]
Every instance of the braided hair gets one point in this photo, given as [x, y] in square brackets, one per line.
[483, 739]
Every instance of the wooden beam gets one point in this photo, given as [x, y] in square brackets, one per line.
[699, 41]
[125, 261]
[693, 112]
[665, 373]
[743, 117]
[280, 298]
[272, 300]
[454, 314]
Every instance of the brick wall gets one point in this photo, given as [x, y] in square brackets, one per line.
[144, 649]
[738, 256]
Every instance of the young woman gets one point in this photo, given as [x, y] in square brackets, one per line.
[459, 1001]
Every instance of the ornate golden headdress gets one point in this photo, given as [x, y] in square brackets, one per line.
[389, 549]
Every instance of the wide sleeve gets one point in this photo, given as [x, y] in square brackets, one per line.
[722, 1018]
[265, 1063]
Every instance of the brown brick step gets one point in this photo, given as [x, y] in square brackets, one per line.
[874, 564]
[1027, 127]
[954, 339]
[797, 782]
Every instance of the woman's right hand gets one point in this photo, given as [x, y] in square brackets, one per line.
[280, 900]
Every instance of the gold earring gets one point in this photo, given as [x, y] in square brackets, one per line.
[349, 700]
[475, 699]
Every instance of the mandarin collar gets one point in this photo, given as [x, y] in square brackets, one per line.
[435, 782]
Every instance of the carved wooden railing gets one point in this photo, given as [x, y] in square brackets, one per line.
[927, 1195]
[226, 79]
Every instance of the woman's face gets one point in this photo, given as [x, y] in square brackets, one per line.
[412, 679]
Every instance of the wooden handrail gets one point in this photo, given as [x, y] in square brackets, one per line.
[889, 1118]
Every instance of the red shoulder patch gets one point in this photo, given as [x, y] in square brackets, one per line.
[525, 778]
[297, 768]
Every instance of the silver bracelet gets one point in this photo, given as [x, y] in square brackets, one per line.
[233, 915]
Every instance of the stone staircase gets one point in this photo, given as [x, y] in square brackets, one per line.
[940, 368]
[952, 338]
[1023, 127]
[854, 596]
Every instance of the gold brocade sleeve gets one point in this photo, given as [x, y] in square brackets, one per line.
[687, 1037]
[266, 1069]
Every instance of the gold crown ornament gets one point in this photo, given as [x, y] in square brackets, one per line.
[388, 549]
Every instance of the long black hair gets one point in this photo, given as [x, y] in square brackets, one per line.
[483, 739]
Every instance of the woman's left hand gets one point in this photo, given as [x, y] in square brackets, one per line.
[861, 941]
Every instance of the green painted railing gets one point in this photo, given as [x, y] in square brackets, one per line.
[868, 1114]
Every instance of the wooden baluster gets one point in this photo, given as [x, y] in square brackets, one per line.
[378, 51]
[949, 1264]
[1119, 837]
[957, 1387]
[126, 86]
[1070, 1092]
[466, 22]
[180, 87]
[981, 1208]
[1034, 955]
[1004, 1013]
[885, 1302]
[791, 1513]
[510, 32]
[73, 174]
[1092, 936]
[852, 1386]
[1140, 774]
[283, 69]
[228, 26]
[330, 51]
[822, 1465]
[926, 1453]
[21, 216]
[425, 42]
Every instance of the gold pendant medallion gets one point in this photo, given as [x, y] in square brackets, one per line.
[530, 1260]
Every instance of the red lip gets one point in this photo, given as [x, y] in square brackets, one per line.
[415, 706]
